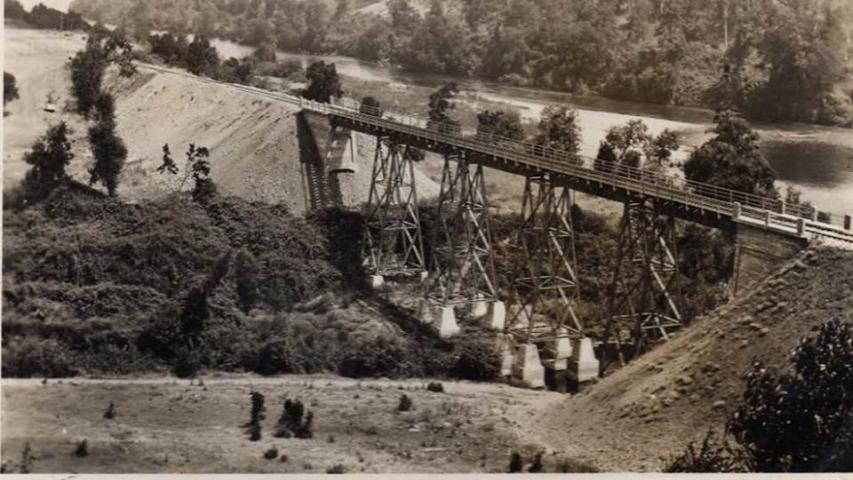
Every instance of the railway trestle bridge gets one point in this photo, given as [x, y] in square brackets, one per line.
[540, 328]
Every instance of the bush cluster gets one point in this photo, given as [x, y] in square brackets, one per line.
[295, 422]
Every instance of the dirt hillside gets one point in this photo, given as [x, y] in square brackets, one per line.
[653, 407]
[259, 150]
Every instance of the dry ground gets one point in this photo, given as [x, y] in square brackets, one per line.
[163, 425]
[639, 417]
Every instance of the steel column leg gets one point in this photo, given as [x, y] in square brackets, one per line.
[393, 239]
[463, 271]
[644, 293]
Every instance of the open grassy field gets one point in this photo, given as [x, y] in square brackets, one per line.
[178, 426]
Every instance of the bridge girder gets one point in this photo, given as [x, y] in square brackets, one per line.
[547, 286]
[644, 293]
[393, 237]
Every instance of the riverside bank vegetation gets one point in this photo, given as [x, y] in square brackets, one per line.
[774, 60]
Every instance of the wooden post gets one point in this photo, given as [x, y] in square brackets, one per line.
[847, 222]
[737, 211]
[801, 226]
[767, 218]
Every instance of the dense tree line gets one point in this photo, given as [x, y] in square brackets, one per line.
[44, 17]
[775, 60]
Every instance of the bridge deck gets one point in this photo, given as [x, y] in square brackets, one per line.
[694, 201]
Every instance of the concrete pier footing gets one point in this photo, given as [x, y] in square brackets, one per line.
[527, 369]
[497, 315]
[377, 281]
[444, 322]
[583, 365]
[479, 309]
[505, 346]
[441, 318]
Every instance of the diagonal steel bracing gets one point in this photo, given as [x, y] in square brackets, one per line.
[644, 292]
[547, 285]
[393, 243]
[463, 270]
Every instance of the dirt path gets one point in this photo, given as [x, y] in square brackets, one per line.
[167, 425]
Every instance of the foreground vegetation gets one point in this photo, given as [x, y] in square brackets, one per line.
[795, 421]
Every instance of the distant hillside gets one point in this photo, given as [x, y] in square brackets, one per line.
[652, 51]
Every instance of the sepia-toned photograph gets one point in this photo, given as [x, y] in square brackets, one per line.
[427, 237]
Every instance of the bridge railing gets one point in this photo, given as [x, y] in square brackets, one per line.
[688, 192]
[557, 159]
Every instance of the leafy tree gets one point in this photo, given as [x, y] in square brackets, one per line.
[559, 129]
[202, 58]
[168, 164]
[88, 66]
[732, 158]
[48, 158]
[504, 124]
[10, 89]
[238, 71]
[14, 9]
[440, 106]
[325, 82]
[198, 160]
[632, 145]
[108, 149]
[172, 49]
[265, 53]
[802, 421]
[370, 106]
[246, 272]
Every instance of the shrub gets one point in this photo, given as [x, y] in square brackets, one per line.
[48, 158]
[257, 412]
[10, 88]
[712, 457]
[566, 465]
[436, 387]
[271, 454]
[27, 459]
[82, 449]
[111, 411]
[255, 432]
[536, 466]
[476, 361]
[187, 363]
[38, 357]
[405, 404]
[336, 469]
[516, 464]
[801, 422]
[372, 357]
[274, 357]
[292, 424]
